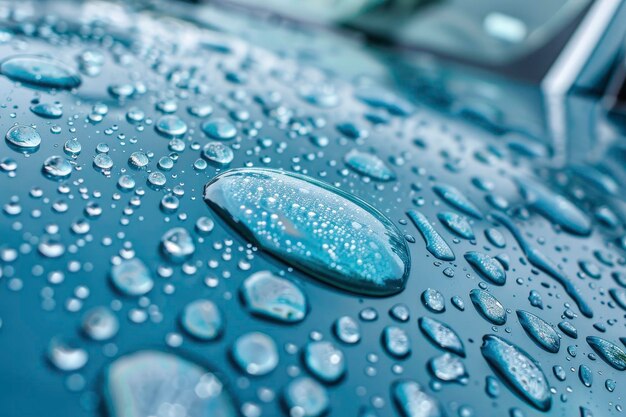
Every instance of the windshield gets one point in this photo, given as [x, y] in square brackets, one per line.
[485, 32]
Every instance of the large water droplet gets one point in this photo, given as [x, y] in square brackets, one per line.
[519, 370]
[315, 227]
[40, 71]
[151, 383]
[23, 138]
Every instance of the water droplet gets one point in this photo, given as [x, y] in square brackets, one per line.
[277, 298]
[609, 352]
[66, 357]
[487, 267]
[347, 330]
[585, 375]
[459, 225]
[488, 306]
[47, 110]
[325, 361]
[412, 401]
[23, 138]
[519, 370]
[177, 244]
[456, 199]
[100, 324]
[151, 383]
[138, 159]
[441, 335]
[369, 165]
[304, 397]
[435, 244]
[307, 224]
[433, 300]
[202, 319]
[171, 126]
[448, 368]
[255, 353]
[218, 153]
[132, 277]
[40, 71]
[56, 168]
[396, 341]
[219, 129]
[541, 332]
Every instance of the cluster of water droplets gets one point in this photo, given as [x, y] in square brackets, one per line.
[234, 232]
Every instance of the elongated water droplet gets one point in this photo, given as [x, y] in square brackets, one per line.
[487, 267]
[435, 244]
[609, 352]
[519, 370]
[306, 223]
[441, 335]
[488, 306]
[459, 225]
[554, 207]
[456, 199]
[369, 165]
[40, 71]
[540, 331]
